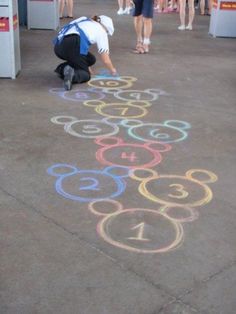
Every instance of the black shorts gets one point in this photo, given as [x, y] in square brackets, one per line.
[144, 8]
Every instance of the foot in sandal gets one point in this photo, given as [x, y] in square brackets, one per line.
[139, 48]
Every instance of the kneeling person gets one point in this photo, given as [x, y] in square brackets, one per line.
[72, 45]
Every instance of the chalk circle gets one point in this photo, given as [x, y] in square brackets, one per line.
[116, 141]
[181, 214]
[210, 176]
[91, 128]
[141, 231]
[89, 185]
[121, 110]
[131, 122]
[115, 151]
[63, 119]
[109, 141]
[143, 174]
[112, 82]
[118, 171]
[127, 95]
[105, 207]
[178, 124]
[94, 103]
[173, 190]
[158, 146]
[169, 131]
[87, 128]
[80, 95]
[133, 94]
[59, 170]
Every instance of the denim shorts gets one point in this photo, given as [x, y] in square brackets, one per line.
[144, 8]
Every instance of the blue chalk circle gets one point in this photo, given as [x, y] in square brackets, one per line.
[78, 95]
[88, 185]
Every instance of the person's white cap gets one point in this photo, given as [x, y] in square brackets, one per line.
[107, 22]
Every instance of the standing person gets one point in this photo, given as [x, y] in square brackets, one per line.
[163, 6]
[143, 15]
[191, 13]
[202, 7]
[127, 8]
[72, 45]
[69, 4]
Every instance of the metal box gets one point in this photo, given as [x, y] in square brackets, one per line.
[223, 19]
[10, 60]
[43, 14]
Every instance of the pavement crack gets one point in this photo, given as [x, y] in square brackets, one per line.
[205, 280]
[162, 309]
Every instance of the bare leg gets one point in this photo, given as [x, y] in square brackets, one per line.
[120, 3]
[61, 7]
[138, 25]
[128, 4]
[182, 7]
[147, 30]
[121, 10]
[202, 7]
[191, 13]
[69, 4]
[209, 6]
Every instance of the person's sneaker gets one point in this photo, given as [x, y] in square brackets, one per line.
[68, 77]
[181, 28]
[120, 11]
[189, 27]
[127, 10]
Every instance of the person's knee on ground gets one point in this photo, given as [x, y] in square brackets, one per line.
[81, 76]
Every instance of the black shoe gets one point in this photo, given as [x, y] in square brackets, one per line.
[68, 77]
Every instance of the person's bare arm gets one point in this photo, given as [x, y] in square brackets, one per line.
[107, 62]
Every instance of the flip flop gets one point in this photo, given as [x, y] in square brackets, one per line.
[139, 51]
[139, 48]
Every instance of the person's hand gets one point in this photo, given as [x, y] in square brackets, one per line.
[114, 72]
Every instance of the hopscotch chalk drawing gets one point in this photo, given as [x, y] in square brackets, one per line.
[130, 109]
[169, 131]
[175, 190]
[115, 151]
[127, 95]
[88, 185]
[78, 95]
[143, 230]
[102, 82]
[176, 197]
[89, 128]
